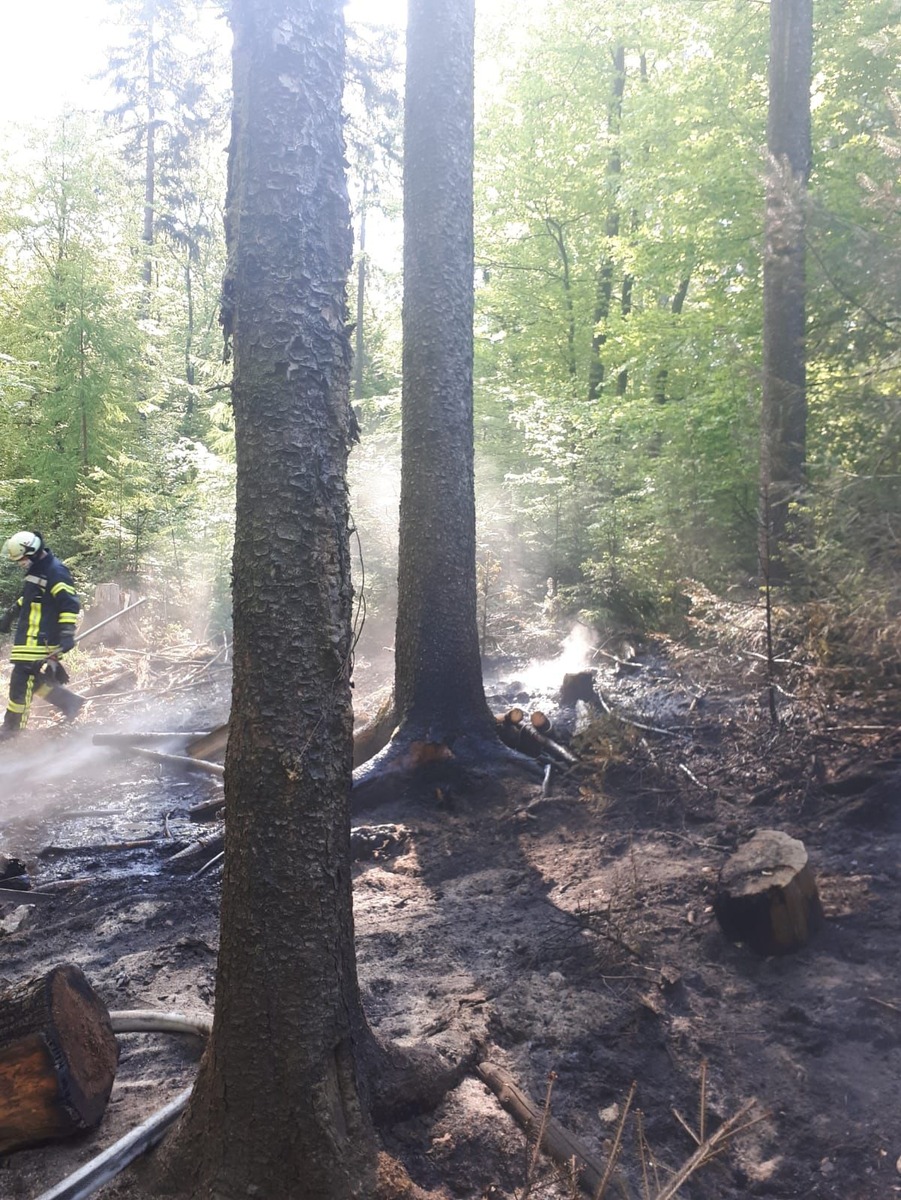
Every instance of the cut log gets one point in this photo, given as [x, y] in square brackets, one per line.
[58, 1058]
[542, 723]
[527, 740]
[767, 896]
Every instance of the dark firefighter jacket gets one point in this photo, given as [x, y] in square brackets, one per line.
[47, 608]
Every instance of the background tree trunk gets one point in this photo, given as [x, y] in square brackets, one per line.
[784, 407]
[604, 283]
[438, 681]
[276, 1109]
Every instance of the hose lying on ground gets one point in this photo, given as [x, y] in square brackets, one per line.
[100, 1170]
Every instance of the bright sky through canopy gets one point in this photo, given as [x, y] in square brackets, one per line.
[50, 49]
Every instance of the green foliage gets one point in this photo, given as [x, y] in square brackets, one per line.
[620, 234]
[629, 227]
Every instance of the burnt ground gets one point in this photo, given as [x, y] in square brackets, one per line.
[572, 933]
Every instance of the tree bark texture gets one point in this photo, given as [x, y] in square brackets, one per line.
[438, 681]
[276, 1110]
[784, 405]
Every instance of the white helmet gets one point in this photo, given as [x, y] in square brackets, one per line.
[22, 545]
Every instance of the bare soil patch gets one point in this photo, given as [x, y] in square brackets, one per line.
[571, 934]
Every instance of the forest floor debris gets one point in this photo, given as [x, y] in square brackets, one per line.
[571, 932]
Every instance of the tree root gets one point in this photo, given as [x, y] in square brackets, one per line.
[407, 1081]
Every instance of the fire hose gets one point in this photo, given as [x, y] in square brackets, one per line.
[106, 1166]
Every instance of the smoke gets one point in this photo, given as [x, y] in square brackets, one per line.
[576, 654]
[36, 760]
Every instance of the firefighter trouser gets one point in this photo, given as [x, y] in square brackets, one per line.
[24, 682]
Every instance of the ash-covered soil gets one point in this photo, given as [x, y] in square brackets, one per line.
[571, 933]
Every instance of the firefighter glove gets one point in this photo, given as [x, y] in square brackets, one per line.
[66, 642]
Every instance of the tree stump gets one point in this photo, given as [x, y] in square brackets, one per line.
[58, 1058]
[109, 599]
[578, 686]
[767, 896]
[11, 868]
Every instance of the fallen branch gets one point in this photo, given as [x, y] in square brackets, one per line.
[559, 1143]
[208, 810]
[97, 848]
[217, 858]
[693, 778]
[140, 739]
[635, 724]
[23, 896]
[204, 848]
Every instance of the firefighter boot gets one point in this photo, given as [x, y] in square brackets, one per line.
[12, 724]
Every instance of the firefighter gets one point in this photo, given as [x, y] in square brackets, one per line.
[45, 616]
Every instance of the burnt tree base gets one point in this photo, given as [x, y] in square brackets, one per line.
[413, 764]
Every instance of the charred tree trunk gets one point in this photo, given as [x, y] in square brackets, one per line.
[784, 406]
[438, 681]
[276, 1109]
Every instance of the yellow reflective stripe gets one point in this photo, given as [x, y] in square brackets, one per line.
[31, 653]
[67, 618]
[29, 688]
[62, 587]
[15, 708]
[34, 622]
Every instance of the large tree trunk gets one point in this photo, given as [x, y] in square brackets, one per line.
[784, 407]
[276, 1109]
[438, 681]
